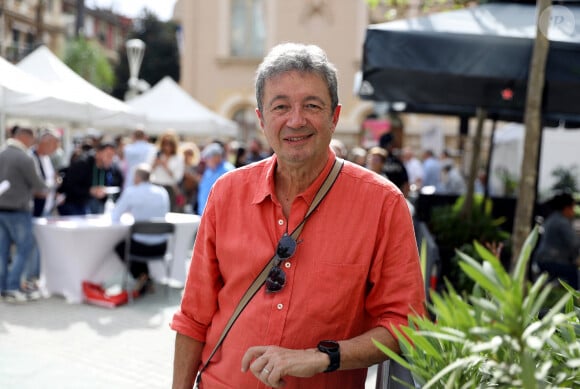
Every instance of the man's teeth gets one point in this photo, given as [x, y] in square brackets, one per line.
[297, 138]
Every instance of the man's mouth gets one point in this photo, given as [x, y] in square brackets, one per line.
[297, 138]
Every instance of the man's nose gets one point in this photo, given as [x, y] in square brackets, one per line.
[297, 119]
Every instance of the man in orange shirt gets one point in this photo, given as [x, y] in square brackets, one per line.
[352, 274]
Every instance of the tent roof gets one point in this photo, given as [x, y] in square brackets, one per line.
[24, 95]
[452, 62]
[44, 65]
[493, 19]
[166, 105]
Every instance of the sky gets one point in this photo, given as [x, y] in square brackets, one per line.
[132, 8]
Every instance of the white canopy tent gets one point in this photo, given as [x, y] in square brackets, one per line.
[559, 150]
[100, 109]
[23, 95]
[168, 106]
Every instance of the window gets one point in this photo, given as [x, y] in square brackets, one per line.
[247, 121]
[248, 33]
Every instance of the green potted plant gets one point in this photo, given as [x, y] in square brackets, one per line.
[453, 230]
[495, 335]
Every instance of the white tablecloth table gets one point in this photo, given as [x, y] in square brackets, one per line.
[78, 248]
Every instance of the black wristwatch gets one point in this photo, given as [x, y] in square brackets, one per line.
[331, 348]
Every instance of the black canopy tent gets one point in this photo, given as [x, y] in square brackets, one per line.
[453, 62]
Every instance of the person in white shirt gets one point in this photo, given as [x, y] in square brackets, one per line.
[168, 166]
[43, 203]
[139, 151]
[414, 168]
[143, 200]
[47, 144]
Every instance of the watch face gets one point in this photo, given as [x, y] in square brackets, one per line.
[328, 344]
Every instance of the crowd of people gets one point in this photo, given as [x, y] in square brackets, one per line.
[101, 175]
[100, 169]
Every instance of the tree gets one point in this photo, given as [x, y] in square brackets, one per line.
[88, 60]
[533, 126]
[161, 56]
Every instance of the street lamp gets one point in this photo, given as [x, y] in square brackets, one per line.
[135, 50]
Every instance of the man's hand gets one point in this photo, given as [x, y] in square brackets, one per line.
[270, 364]
[98, 192]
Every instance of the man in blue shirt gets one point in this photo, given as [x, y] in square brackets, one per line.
[139, 151]
[143, 200]
[215, 167]
[431, 169]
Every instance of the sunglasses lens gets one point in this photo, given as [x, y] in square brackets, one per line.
[276, 280]
[286, 247]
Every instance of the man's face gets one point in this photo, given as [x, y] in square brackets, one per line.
[213, 161]
[26, 138]
[47, 146]
[297, 118]
[105, 157]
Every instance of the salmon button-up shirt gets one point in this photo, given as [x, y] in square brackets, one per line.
[356, 267]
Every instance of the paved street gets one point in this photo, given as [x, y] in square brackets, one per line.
[52, 344]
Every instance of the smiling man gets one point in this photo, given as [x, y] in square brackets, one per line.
[337, 286]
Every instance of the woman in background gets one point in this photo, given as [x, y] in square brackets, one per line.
[168, 166]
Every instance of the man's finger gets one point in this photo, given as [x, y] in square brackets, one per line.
[250, 355]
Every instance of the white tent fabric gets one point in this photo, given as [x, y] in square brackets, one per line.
[168, 106]
[101, 109]
[23, 95]
[559, 150]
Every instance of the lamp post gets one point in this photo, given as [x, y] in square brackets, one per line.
[135, 50]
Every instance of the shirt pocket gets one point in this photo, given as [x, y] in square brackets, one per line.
[338, 292]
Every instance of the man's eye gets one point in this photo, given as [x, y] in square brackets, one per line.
[313, 107]
[279, 107]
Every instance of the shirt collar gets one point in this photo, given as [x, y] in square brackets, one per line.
[266, 184]
[16, 143]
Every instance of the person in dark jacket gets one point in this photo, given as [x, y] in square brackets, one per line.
[86, 180]
[558, 250]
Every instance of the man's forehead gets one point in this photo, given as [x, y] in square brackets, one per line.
[275, 88]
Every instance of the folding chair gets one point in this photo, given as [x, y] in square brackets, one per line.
[150, 227]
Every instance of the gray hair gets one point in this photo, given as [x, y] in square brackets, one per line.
[288, 57]
[143, 171]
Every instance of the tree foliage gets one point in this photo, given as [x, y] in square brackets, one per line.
[395, 9]
[161, 56]
[88, 60]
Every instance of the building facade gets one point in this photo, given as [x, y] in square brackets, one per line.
[223, 41]
[219, 59]
[27, 24]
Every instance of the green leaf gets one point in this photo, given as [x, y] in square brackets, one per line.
[462, 363]
[497, 266]
[557, 308]
[482, 277]
[523, 259]
[392, 355]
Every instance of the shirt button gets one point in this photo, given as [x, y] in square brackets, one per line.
[281, 222]
[280, 306]
[287, 265]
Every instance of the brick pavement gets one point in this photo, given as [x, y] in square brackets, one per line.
[55, 345]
